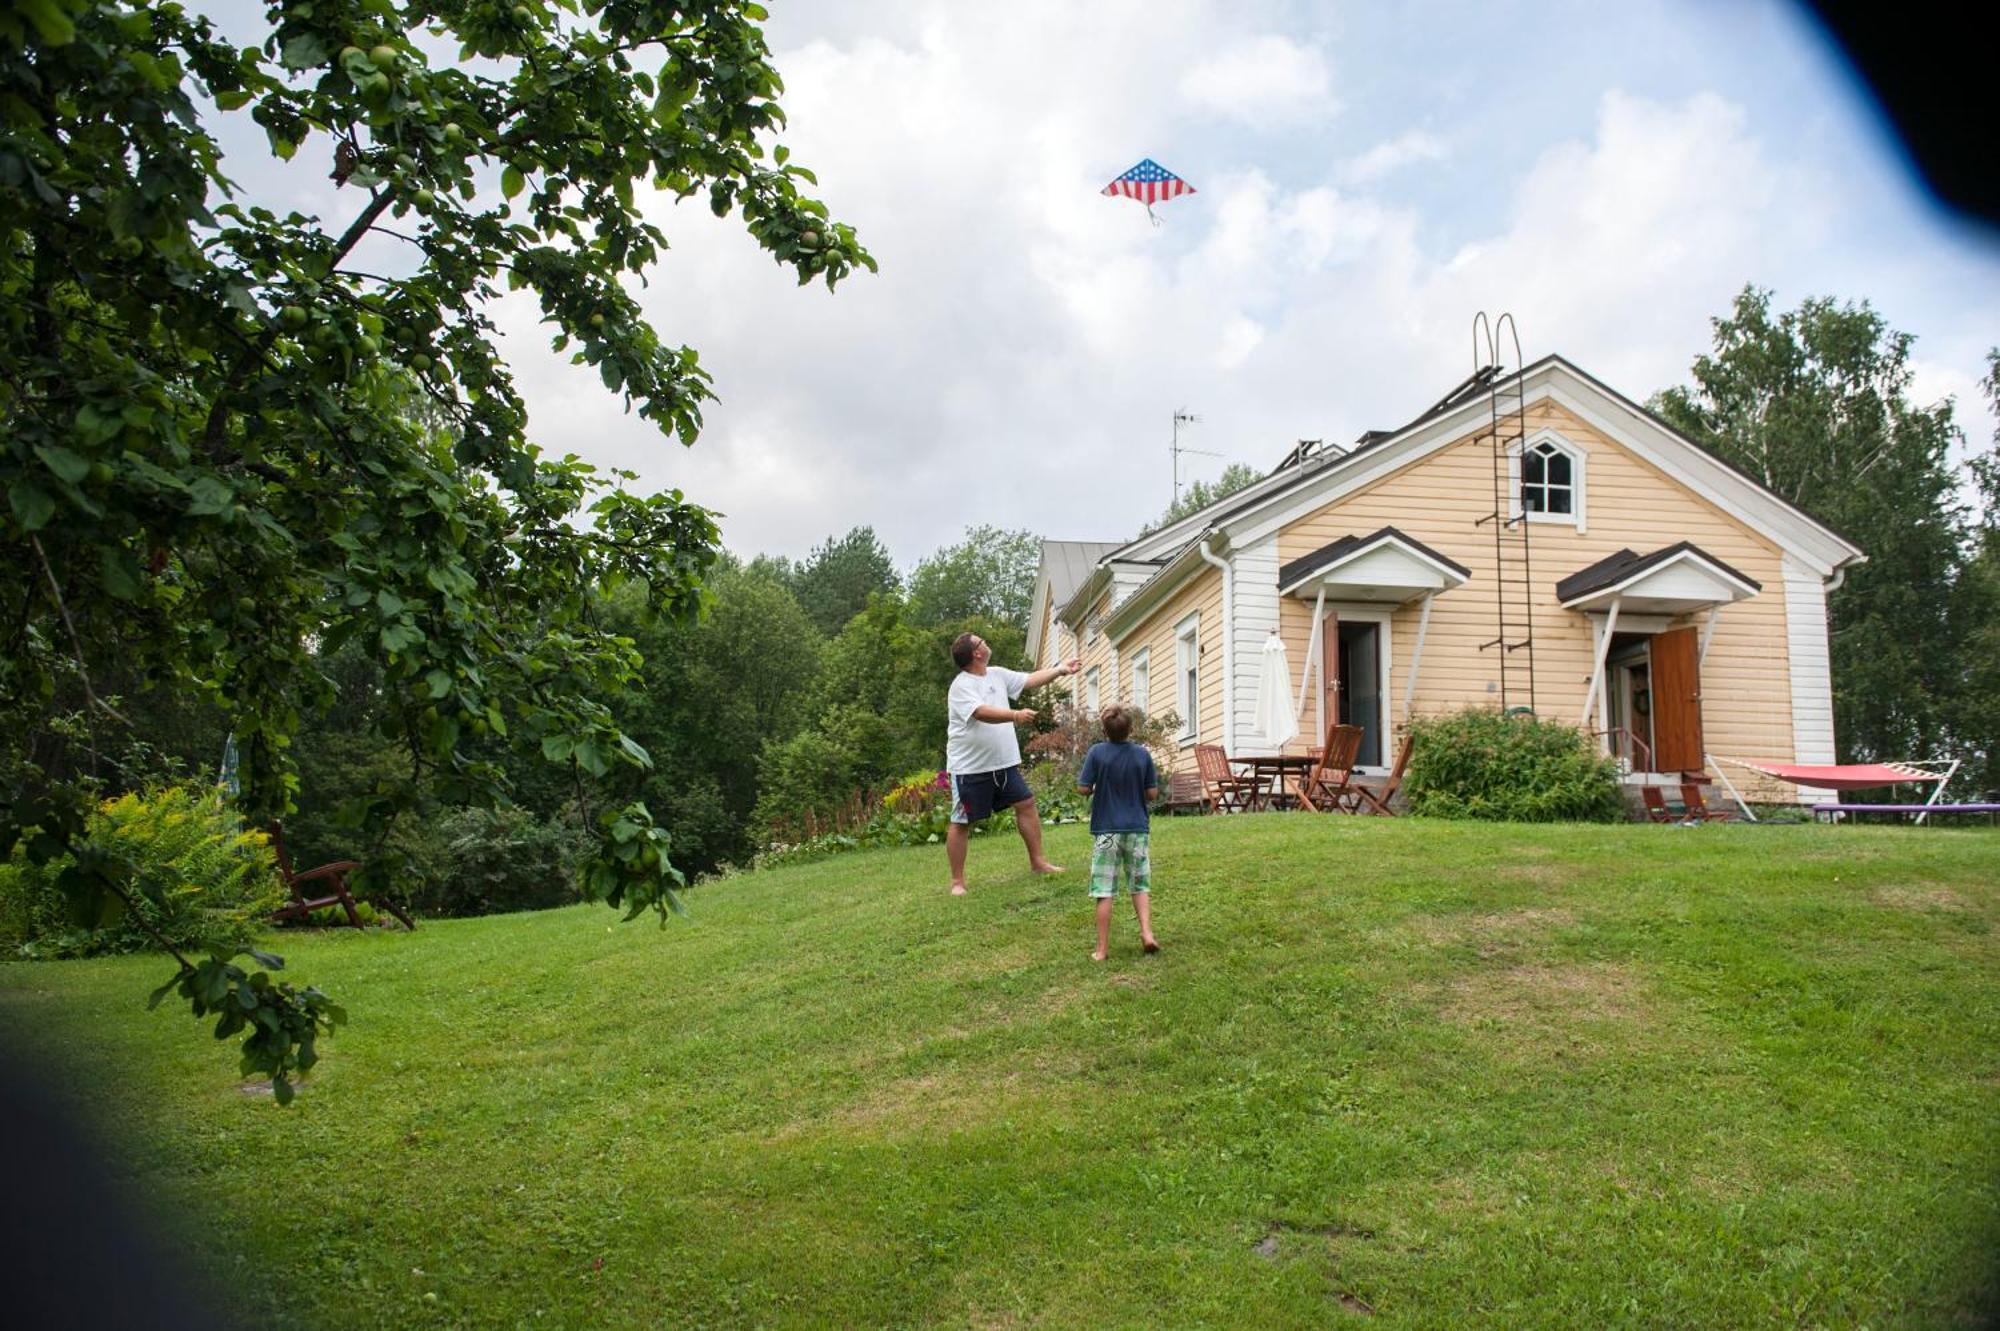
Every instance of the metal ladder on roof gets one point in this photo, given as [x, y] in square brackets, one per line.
[1513, 568]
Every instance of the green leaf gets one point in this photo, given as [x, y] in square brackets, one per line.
[50, 21]
[31, 504]
[512, 181]
[439, 681]
[308, 50]
[118, 573]
[233, 100]
[557, 748]
[63, 462]
[209, 495]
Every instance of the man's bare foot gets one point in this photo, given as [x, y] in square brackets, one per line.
[958, 889]
[1097, 956]
[1046, 867]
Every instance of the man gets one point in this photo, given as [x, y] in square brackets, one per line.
[982, 755]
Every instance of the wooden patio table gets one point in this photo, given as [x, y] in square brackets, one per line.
[1271, 772]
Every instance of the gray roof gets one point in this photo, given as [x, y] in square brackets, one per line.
[1067, 563]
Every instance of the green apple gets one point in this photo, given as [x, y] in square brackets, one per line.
[383, 57]
[293, 316]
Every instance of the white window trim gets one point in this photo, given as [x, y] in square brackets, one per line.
[1091, 695]
[1578, 489]
[1187, 653]
[1142, 679]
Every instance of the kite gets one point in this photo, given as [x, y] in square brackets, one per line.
[1149, 183]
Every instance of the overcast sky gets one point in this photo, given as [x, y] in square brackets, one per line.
[1369, 176]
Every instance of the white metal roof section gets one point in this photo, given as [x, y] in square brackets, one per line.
[1066, 566]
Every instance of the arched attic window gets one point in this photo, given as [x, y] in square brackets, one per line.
[1548, 480]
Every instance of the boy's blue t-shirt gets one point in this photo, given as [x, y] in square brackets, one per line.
[1120, 775]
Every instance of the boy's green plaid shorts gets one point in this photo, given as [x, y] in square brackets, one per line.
[1121, 854]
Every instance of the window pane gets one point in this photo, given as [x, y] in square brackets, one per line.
[1558, 501]
[1559, 469]
[1533, 469]
[1534, 499]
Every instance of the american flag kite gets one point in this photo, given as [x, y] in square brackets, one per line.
[1149, 183]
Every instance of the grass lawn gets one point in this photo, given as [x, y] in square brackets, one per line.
[1384, 1073]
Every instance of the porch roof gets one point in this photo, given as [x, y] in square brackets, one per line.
[1385, 565]
[1672, 580]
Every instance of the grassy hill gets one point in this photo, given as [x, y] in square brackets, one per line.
[1393, 1073]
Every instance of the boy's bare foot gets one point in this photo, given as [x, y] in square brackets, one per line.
[958, 889]
[1097, 956]
[1152, 945]
[1046, 867]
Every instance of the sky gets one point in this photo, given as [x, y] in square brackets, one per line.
[1368, 177]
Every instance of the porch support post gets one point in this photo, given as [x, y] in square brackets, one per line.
[1416, 656]
[1312, 656]
[1595, 697]
[1707, 633]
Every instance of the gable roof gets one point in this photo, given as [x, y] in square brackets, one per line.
[1307, 565]
[1314, 481]
[1618, 569]
[1066, 565]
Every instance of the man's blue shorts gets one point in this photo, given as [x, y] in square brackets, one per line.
[977, 796]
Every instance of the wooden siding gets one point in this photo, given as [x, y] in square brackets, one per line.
[1202, 592]
[1746, 685]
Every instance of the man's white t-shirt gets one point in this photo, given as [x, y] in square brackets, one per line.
[981, 746]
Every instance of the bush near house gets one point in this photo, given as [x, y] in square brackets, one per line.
[1482, 764]
[200, 877]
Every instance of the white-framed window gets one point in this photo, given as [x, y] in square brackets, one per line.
[1187, 669]
[1090, 690]
[1548, 474]
[1142, 679]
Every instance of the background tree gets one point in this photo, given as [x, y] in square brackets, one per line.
[214, 469]
[836, 580]
[988, 575]
[1975, 706]
[1200, 494]
[1815, 404]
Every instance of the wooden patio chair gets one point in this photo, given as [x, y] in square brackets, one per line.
[1185, 791]
[1656, 806]
[332, 892]
[1329, 785]
[1376, 794]
[1700, 808]
[1227, 791]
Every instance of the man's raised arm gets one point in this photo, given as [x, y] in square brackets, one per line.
[1041, 677]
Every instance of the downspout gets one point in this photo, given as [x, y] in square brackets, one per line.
[1228, 643]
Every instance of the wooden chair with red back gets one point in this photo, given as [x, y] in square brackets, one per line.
[1698, 807]
[332, 892]
[1376, 794]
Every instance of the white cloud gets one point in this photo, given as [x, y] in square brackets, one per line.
[1263, 82]
[1384, 159]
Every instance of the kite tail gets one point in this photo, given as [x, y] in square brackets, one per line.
[1151, 216]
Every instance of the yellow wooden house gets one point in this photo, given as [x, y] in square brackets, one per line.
[1535, 541]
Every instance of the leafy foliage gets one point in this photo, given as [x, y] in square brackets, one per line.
[239, 439]
[497, 860]
[989, 575]
[1200, 494]
[1483, 764]
[835, 582]
[197, 876]
[1814, 403]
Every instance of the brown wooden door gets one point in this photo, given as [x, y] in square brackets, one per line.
[1676, 683]
[1329, 664]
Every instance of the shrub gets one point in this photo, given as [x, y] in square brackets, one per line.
[198, 877]
[491, 861]
[1480, 764]
[1055, 757]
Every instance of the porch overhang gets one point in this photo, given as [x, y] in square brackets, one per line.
[1384, 566]
[1675, 580]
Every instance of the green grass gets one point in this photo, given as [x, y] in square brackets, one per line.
[1454, 1075]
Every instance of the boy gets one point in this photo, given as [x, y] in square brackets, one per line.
[1119, 778]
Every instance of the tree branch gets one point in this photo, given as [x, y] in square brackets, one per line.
[75, 640]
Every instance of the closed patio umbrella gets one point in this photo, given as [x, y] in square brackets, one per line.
[1274, 718]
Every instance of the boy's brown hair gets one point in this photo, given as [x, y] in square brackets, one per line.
[1117, 722]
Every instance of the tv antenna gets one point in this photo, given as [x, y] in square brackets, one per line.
[1184, 417]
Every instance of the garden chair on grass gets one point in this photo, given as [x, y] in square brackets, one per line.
[1376, 793]
[1227, 792]
[333, 890]
[1329, 784]
[1185, 791]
